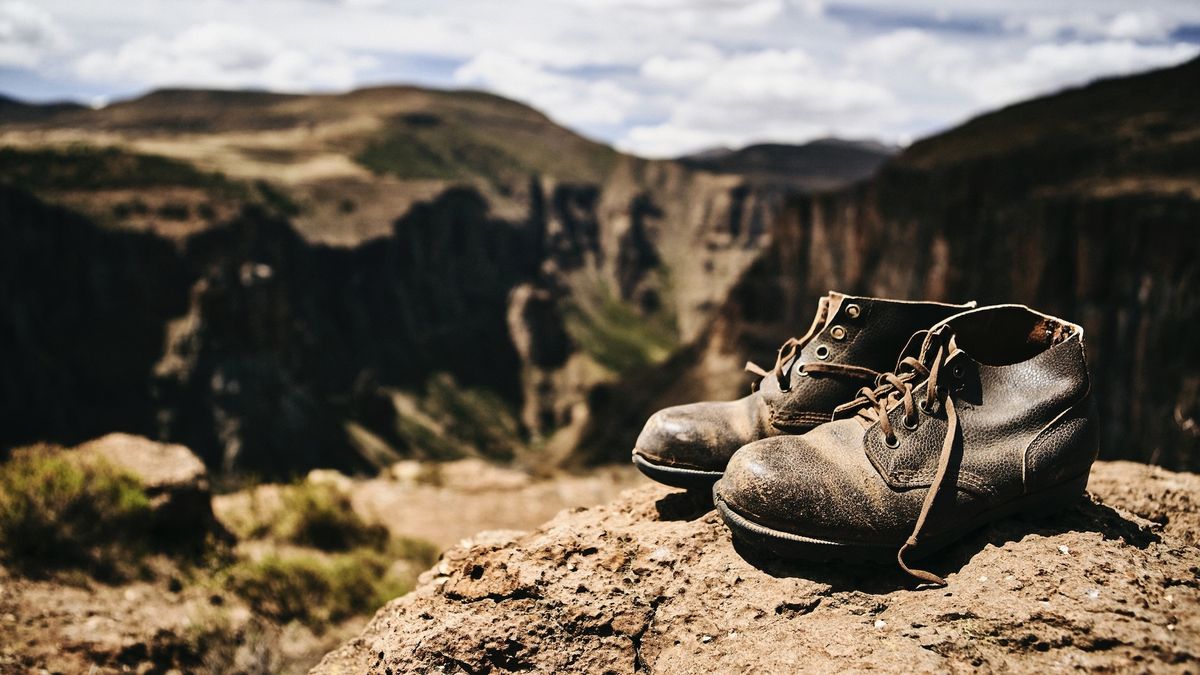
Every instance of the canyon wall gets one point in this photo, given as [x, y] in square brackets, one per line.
[270, 353]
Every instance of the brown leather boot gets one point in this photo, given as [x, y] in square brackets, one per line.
[851, 340]
[991, 417]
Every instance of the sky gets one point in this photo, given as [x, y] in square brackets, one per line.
[653, 77]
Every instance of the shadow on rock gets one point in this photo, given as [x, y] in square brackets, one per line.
[688, 505]
[884, 576]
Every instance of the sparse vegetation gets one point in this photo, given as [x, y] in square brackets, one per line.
[425, 441]
[323, 563]
[417, 151]
[615, 335]
[319, 590]
[58, 511]
[318, 515]
[83, 167]
[476, 417]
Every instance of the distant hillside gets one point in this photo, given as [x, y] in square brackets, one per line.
[1122, 125]
[13, 110]
[818, 165]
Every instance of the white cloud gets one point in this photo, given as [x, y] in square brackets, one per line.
[1127, 24]
[223, 55]
[27, 34]
[575, 100]
[655, 76]
[766, 95]
[1046, 67]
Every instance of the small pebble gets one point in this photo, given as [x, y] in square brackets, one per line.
[1093, 593]
[1063, 549]
[880, 623]
[706, 638]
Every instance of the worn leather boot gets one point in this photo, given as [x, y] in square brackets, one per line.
[851, 340]
[990, 417]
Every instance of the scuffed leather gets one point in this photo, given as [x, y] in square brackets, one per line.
[813, 486]
[1001, 408]
[705, 435]
[873, 340]
[1024, 426]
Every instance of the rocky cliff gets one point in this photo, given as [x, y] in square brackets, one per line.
[282, 282]
[271, 353]
[651, 583]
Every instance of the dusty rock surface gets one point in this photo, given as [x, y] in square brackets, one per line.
[47, 626]
[652, 583]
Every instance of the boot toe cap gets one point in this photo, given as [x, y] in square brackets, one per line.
[777, 482]
[697, 436]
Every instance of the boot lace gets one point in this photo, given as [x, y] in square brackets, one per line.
[872, 405]
[791, 348]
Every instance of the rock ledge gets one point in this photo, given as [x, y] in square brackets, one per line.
[652, 583]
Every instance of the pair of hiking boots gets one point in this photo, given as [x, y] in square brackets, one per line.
[844, 451]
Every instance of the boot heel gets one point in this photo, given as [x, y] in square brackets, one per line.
[1053, 499]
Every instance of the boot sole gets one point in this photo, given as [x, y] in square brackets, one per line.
[688, 479]
[799, 547]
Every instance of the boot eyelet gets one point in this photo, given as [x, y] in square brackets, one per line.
[892, 443]
[925, 407]
[911, 426]
[853, 311]
[822, 352]
[957, 371]
[837, 333]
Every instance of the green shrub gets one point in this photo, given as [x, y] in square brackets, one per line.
[440, 151]
[83, 167]
[61, 511]
[318, 590]
[320, 516]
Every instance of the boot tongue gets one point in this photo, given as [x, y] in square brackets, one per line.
[923, 347]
